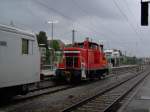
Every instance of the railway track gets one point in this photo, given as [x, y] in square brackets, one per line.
[57, 88]
[113, 73]
[118, 72]
[65, 86]
[43, 91]
[125, 69]
[34, 93]
[108, 99]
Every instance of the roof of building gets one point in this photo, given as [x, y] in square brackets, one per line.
[15, 30]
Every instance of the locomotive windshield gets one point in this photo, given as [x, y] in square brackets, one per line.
[93, 46]
[71, 59]
[80, 45]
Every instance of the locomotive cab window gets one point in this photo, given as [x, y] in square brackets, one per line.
[25, 46]
[93, 46]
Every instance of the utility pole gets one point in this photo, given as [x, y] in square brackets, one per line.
[52, 33]
[52, 22]
[91, 39]
[73, 37]
[12, 23]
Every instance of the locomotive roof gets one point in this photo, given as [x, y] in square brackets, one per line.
[81, 44]
[78, 43]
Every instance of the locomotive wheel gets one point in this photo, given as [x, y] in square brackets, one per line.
[69, 78]
[76, 77]
[103, 75]
[59, 76]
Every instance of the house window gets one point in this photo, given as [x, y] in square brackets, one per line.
[25, 46]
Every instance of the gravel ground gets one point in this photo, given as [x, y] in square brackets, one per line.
[42, 84]
[60, 100]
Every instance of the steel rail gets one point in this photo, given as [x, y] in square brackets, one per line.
[111, 104]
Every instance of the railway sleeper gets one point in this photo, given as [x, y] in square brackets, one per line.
[88, 110]
[116, 96]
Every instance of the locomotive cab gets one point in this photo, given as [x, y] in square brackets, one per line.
[72, 59]
[84, 60]
[69, 67]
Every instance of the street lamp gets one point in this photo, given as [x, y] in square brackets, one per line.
[52, 22]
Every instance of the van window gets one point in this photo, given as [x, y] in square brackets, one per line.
[25, 46]
[3, 43]
[31, 47]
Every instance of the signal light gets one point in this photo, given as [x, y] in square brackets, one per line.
[144, 13]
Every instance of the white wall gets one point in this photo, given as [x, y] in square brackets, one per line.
[16, 68]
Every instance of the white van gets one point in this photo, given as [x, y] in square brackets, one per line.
[19, 60]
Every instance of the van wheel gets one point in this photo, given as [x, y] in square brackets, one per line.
[41, 76]
[24, 89]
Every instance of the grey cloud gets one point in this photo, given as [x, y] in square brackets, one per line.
[99, 19]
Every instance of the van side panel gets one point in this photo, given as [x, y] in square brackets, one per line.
[17, 68]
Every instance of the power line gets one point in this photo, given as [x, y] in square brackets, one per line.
[86, 13]
[54, 10]
[83, 10]
[125, 1]
[63, 15]
[63, 34]
[124, 15]
[72, 20]
[126, 18]
[127, 5]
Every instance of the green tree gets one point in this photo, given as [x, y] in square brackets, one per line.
[55, 45]
[42, 39]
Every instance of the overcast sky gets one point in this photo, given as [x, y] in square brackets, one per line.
[116, 23]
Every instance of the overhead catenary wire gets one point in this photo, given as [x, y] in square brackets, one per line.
[63, 34]
[72, 19]
[126, 18]
[91, 22]
[129, 9]
[59, 13]
[85, 12]
[127, 5]
[65, 16]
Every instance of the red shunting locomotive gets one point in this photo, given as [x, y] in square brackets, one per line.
[84, 60]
